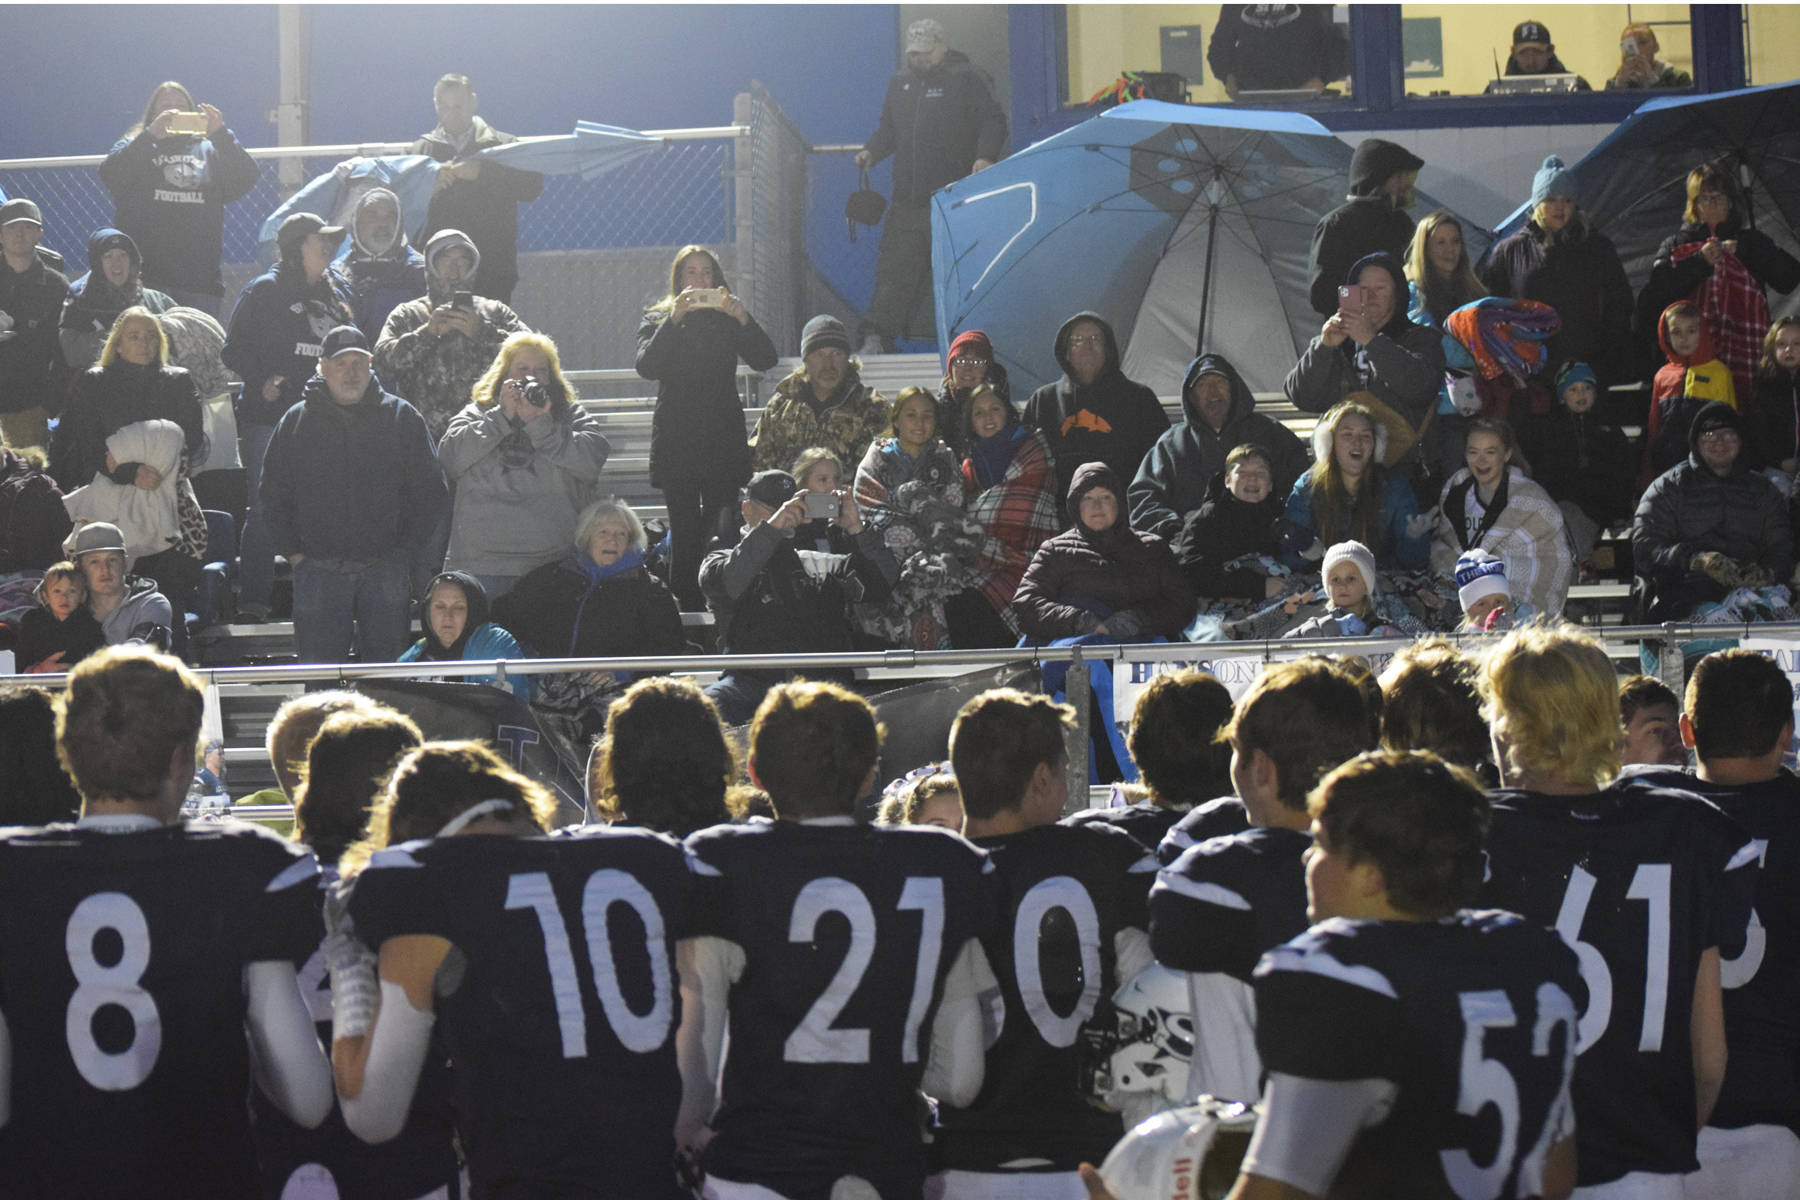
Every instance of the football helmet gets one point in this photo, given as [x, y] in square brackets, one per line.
[1189, 1153]
[1146, 1049]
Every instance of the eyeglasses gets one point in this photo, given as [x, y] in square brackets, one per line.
[1716, 436]
[1086, 339]
[1711, 199]
[969, 362]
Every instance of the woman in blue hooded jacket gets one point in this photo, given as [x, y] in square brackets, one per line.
[457, 627]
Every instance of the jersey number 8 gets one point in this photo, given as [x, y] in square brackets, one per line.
[119, 986]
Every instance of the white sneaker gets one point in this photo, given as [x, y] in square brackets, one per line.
[871, 345]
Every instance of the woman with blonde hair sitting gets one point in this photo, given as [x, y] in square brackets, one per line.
[523, 458]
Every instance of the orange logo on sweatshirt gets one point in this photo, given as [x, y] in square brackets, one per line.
[1086, 419]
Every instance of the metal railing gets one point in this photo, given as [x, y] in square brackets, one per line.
[592, 253]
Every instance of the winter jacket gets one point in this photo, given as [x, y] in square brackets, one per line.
[93, 303]
[1276, 45]
[437, 375]
[267, 337]
[1667, 76]
[485, 208]
[845, 423]
[569, 609]
[1581, 460]
[697, 429]
[143, 616]
[770, 597]
[41, 635]
[1670, 281]
[350, 482]
[518, 489]
[1526, 533]
[1689, 510]
[953, 407]
[1174, 478]
[33, 521]
[936, 124]
[170, 196]
[1580, 276]
[1111, 420]
[1393, 549]
[31, 362]
[1772, 424]
[381, 267]
[1016, 514]
[487, 641]
[1366, 223]
[1402, 366]
[1080, 578]
[1222, 530]
[104, 401]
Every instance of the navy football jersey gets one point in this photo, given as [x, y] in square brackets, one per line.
[122, 956]
[1641, 880]
[1762, 983]
[1227, 901]
[563, 1000]
[1471, 1018]
[1069, 891]
[421, 1159]
[1146, 822]
[848, 932]
[1219, 817]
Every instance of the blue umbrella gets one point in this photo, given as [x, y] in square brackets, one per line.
[1186, 227]
[591, 151]
[1633, 185]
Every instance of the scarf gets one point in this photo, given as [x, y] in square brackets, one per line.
[991, 456]
[595, 575]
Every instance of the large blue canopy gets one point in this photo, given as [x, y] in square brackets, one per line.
[1184, 226]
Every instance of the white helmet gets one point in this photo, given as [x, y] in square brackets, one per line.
[1190, 1153]
[1148, 1050]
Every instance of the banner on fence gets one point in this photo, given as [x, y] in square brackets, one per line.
[1237, 669]
[1786, 653]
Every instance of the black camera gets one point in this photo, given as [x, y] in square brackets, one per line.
[535, 393]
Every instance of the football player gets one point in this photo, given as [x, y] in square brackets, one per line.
[1072, 928]
[546, 965]
[1739, 722]
[1415, 1047]
[1224, 903]
[844, 962]
[1174, 743]
[343, 770]
[136, 952]
[1651, 886]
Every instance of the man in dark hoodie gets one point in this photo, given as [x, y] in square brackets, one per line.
[1372, 348]
[272, 343]
[1093, 413]
[1221, 414]
[432, 350]
[480, 198]
[1372, 219]
[350, 489]
[95, 301]
[941, 122]
[1708, 525]
[382, 267]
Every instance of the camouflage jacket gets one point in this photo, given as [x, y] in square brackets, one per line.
[856, 416]
[437, 375]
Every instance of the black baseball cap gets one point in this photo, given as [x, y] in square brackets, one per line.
[344, 339]
[773, 488]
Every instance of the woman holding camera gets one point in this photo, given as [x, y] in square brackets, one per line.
[523, 459]
[690, 343]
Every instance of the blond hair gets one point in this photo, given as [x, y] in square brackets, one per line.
[136, 312]
[1551, 696]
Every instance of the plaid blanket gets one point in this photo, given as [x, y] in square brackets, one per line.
[1736, 313]
[1016, 515]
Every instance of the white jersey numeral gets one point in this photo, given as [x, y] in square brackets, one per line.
[1651, 883]
[1485, 1082]
[640, 1033]
[817, 1039]
[1066, 893]
[118, 985]
[1736, 972]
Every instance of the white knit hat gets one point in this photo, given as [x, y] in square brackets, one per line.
[1355, 553]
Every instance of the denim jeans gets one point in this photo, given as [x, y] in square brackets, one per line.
[338, 604]
[256, 547]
